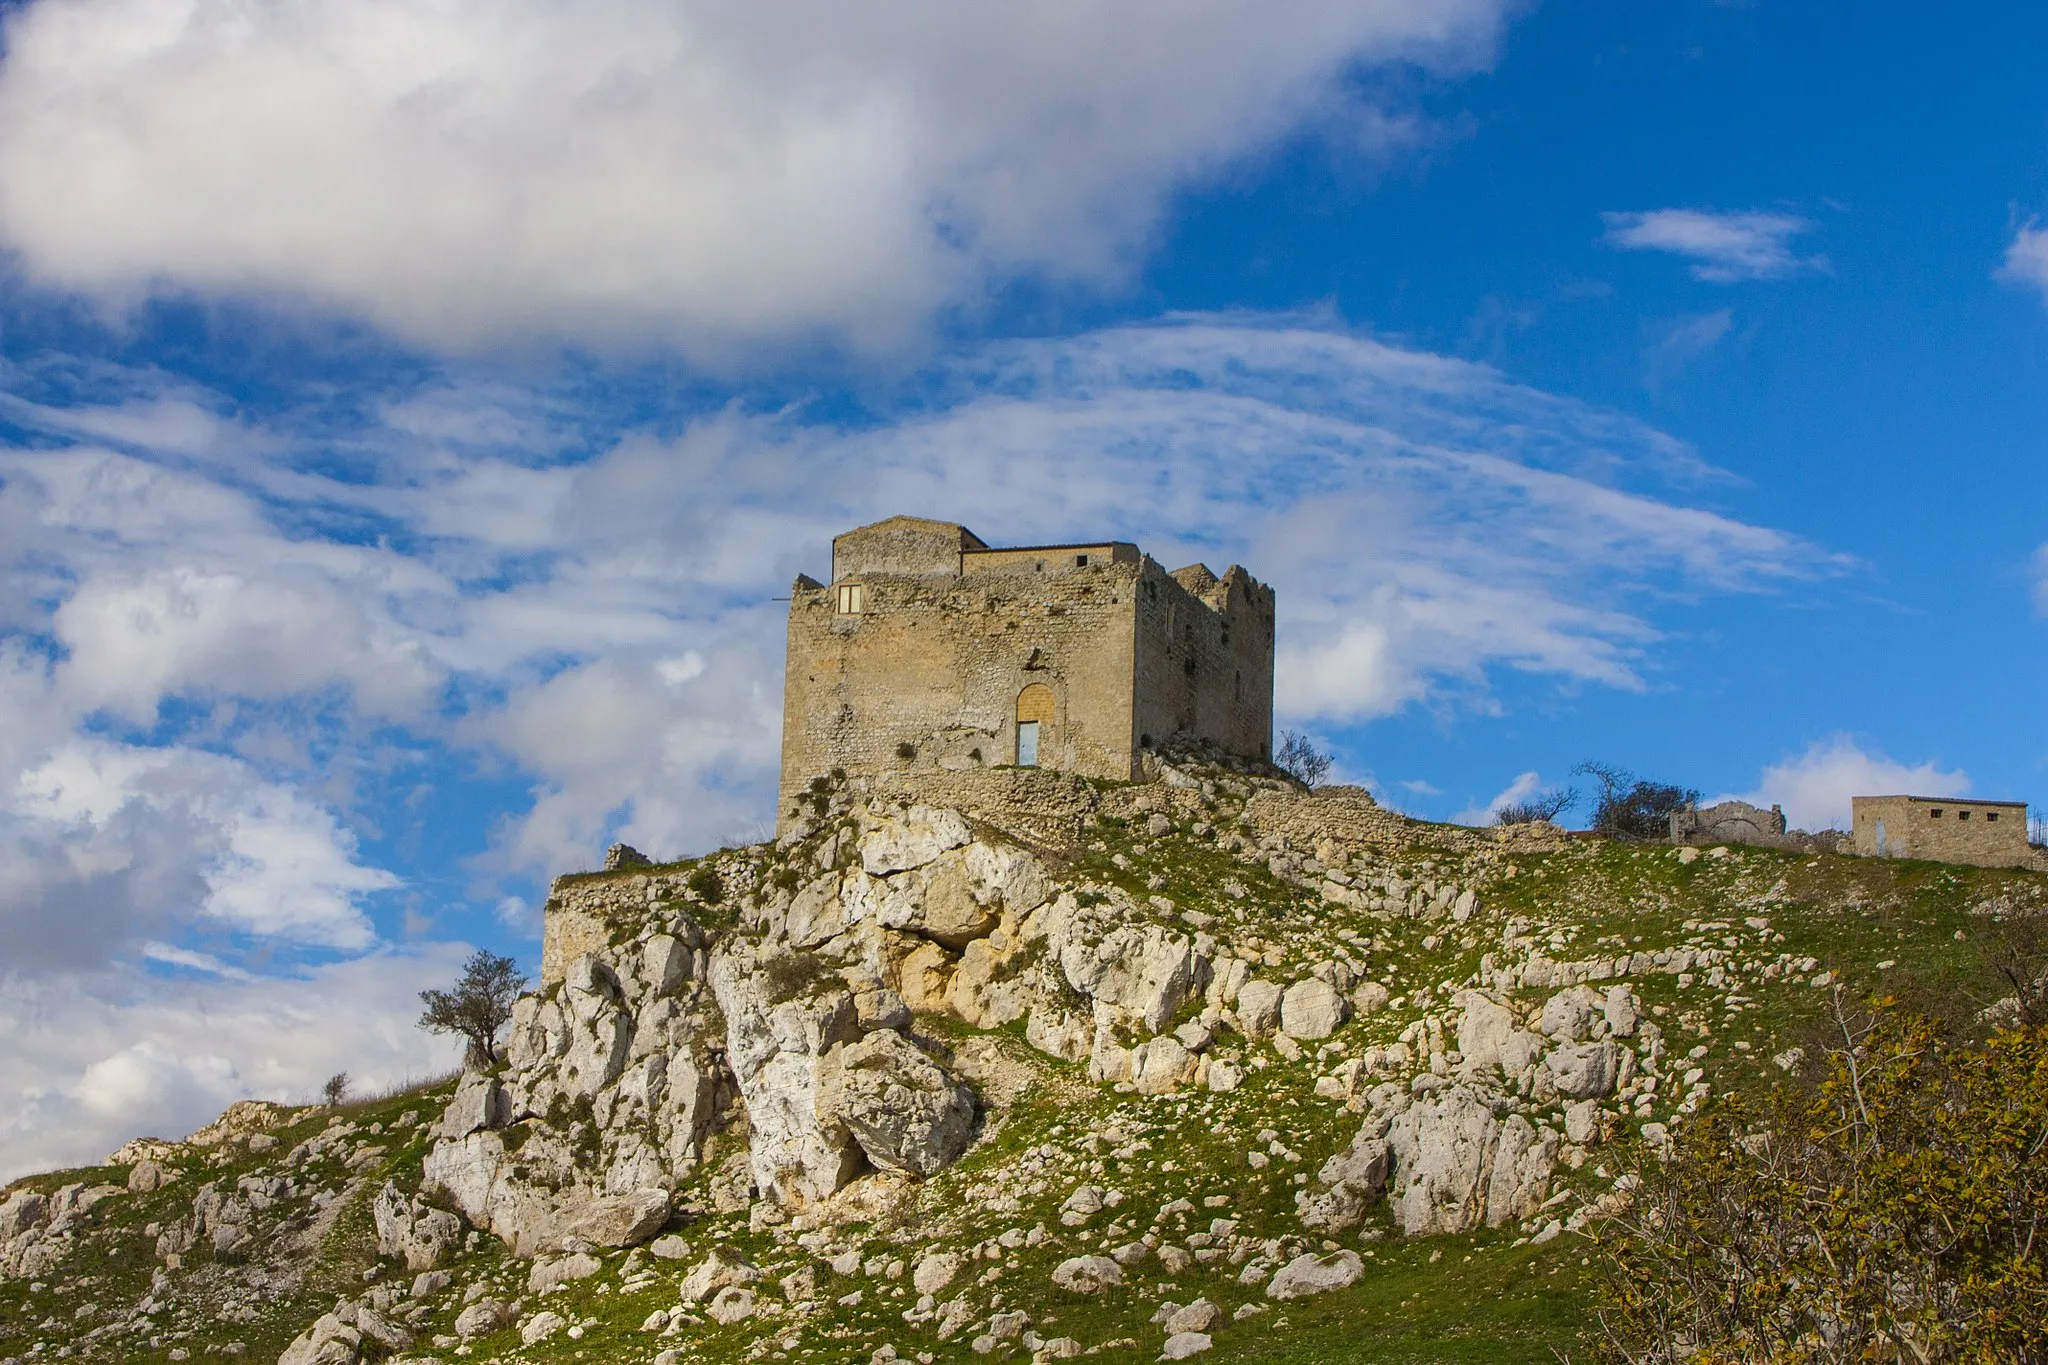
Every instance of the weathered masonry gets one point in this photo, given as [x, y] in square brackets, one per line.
[931, 649]
[1944, 829]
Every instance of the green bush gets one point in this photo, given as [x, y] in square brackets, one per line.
[1895, 1211]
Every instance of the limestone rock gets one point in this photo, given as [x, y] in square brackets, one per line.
[1312, 1009]
[1088, 1274]
[330, 1341]
[1584, 1071]
[1311, 1274]
[550, 1271]
[1442, 1147]
[724, 1266]
[902, 1107]
[482, 1318]
[412, 1231]
[1347, 1185]
[1199, 1316]
[1569, 1016]
[1523, 1159]
[779, 1025]
[730, 1304]
[1484, 1028]
[1161, 1065]
[541, 1326]
[621, 857]
[1149, 972]
[911, 839]
[1181, 1345]
[934, 1271]
[1258, 1008]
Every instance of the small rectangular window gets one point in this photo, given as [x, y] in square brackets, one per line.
[852, 599]
[1934, 814]
[1962, 815]
[1989, 816]
[1081, 561]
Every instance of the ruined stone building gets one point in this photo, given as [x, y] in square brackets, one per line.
[929, 648]
[1728, 822]
[1945, 829]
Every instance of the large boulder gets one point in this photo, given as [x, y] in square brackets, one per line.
[479, 1103]
[1584, 1071]
[782, 1016]
[911, 838]
[1087, 1274]
[1258, 1008]
[329, 1341]
[1312, 1009]
[1150, 972]
[902, 1107]
[1311, 1274]
[413, 1231]
[1484, 1027]
[1456, 1165]
[1348, 1184]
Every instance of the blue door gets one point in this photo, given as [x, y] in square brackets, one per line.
[1027, 743]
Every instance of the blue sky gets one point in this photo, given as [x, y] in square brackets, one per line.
[408, 413]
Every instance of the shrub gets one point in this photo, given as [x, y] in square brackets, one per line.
[1299, 758]
[335, 1091]
[1542, 806]
[1627, 807]
[1896, 1210]
[706, 885]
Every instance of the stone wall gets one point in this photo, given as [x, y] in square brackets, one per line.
[1944, 829]
[1205, 659]
[924, 673]
[928, 674]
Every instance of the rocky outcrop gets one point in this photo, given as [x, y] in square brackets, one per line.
[412, 1231]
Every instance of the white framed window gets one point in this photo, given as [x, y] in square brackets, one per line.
[852, 599]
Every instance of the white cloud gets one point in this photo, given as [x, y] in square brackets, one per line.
[1814, 787]
[488, 171]
[251, 856]
[88, 1062]
[2026, 259]
[1723, 247]
[1522, 788]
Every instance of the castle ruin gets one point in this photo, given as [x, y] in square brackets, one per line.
[931, 649]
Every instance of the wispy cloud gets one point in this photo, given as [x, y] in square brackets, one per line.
[1683, 342]
[1723, 247]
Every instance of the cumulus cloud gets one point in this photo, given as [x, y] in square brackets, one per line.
[2026, 259]
[1723, 247]
[1814, 787]
[469, 172]
[88, 1062]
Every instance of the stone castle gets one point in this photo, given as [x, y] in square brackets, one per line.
[931, 649]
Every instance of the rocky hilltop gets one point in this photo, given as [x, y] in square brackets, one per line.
[1019, 1066]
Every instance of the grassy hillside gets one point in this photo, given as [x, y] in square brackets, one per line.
[1208, 1177]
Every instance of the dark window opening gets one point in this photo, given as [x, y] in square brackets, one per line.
[1989, 816]
[1144, 741]
[1962, 815]
[1934, 814]
[1081, 561]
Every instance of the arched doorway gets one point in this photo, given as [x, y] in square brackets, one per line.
[1035, 707]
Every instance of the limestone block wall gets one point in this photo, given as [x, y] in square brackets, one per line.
[1944, 829]
[902, 545]
[1205, 659]
[929, 672]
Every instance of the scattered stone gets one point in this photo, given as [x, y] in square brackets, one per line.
[1311, 1274]
[1088, 1274]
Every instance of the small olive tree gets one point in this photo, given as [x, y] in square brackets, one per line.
[479, 1005]
[1628, 807]
[1545, 805]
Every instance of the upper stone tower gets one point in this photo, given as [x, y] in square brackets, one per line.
[930, 648]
